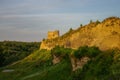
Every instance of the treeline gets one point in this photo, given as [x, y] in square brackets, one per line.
[11, 51]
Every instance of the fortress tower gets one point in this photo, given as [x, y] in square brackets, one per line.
[53, 34]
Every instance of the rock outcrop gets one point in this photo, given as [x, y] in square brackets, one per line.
[78, 63]
[56, 59]
[75, 62]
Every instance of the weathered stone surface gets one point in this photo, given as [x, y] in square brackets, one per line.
[53, 34]
[56, 59]
[78, 63]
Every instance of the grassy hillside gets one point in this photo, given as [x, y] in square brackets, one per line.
[39, 66]
[91, 52]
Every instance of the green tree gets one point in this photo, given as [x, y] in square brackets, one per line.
[97, 21]
[80, 52]
[2, 56]
[11, 51]
[91, 21]
[70, 29]
[60, 51]
[86, 51]
[81, 25]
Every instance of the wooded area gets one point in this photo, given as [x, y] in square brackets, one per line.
[11, 51]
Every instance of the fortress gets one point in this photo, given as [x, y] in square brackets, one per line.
[53, 34]
[48, 43]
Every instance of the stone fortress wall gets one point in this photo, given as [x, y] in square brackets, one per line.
[53, 34]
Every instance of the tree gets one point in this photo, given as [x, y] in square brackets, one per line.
[81, 25]
[97, 21]
[80, 52]
[91, 21]
[11, 51]
[71, 29]
[60, 51]
[2, 57]
[86, 51]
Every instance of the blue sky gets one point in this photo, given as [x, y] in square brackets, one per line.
[29, 20]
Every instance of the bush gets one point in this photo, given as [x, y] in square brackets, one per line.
[60, 51]
[93, 51]
[99, 68]
[86, 51]
[80, 52]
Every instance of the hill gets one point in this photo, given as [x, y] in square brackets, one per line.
[68, 62]
[105, 35]
[39, 66]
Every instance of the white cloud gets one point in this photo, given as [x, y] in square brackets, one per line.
[35, 27]
[31, 19]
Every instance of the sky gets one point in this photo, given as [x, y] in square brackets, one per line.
[30, 20]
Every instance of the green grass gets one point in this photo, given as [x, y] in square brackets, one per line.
[31, 64]
[37, 66]
[60, 71]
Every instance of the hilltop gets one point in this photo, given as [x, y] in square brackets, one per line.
[105, 35]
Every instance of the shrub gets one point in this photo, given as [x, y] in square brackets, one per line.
[60, 51]
[97, 22]
[86, 51]
[99, 67]
[80, 52]
[93, 51]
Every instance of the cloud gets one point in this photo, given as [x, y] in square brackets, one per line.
[35, 27]
[40, 6]
[30, 20]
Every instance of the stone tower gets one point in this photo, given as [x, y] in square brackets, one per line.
[53, 34]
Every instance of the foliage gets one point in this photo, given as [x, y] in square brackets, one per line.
[11, 51]
[70, 30]
[100, 67]
[60, 51]
[39, 69]
[81, 25]
[103, 65]
[91, 21]
[86, 51]
[97, 22]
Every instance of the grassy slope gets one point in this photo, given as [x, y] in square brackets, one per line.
[61, 71]
[37, 66]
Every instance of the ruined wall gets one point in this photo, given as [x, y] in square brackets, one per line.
[53, 34]
[49, 43]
